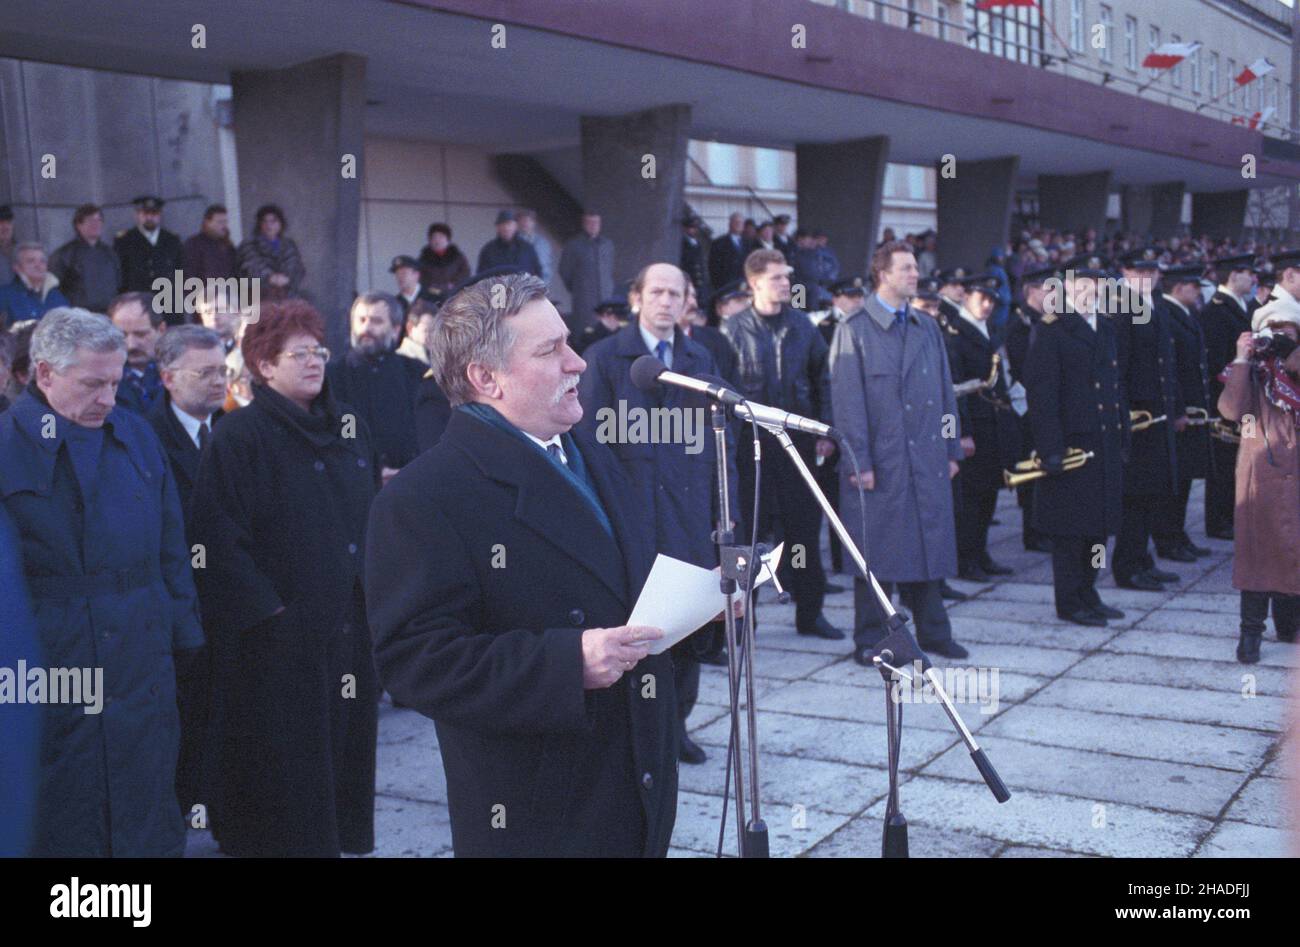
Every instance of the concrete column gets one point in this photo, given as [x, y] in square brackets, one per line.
[641, 210]
[1154, 210]
[839, 189]
[1219, 214]
[293, 129]
[974, 210]
[1073, 202]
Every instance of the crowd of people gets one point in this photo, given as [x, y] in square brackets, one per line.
[254, 537]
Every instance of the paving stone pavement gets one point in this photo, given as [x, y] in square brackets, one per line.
[1144, 738]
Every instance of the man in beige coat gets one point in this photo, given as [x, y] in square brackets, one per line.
[1263, 394]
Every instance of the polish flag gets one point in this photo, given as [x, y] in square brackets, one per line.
[1256, 120]
[1260, 67]
[994, 4]
[1169, 55]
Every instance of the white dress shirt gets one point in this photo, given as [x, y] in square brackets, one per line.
[190, 423]
[547, 443]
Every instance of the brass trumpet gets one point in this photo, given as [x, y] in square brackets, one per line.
[972, 385]
[1141, 420]
[1032, 469]
[1197, 417]
[1225, 431]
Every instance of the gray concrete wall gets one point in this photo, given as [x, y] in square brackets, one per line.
[293, 128]
[1156, 210]
[839, 191]
[975, 210]
[640, 214]
[112, 137]
[1074, 202]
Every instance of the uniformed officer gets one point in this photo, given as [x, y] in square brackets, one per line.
[929, 301]
[1149, 374]
[1024, 316]
[1265, 283]
[1182, 287]
[992, 425]
[1223, 319]
[728, 300]
[148, 252]
[611, 315]
[952, 292]
[847, 298]
[1072, 377]
[693, 261]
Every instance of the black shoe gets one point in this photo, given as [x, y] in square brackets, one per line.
[973, 573]
[1286, 637]
[1248, 647]
[1140, 582]
[1085, 616]
[717, 659]
[1221, 534]
[949, 649]
[833, 589]
[823, 629]
[992, 567]
[690, 752]
[1038, 544]
[948, 592]
[1162, 576]
[1177, 554]
[1105, 611]
[1195, 550]
[863, 656]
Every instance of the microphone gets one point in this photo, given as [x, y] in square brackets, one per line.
[648, 371]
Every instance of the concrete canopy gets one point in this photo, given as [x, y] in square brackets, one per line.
[433, 72]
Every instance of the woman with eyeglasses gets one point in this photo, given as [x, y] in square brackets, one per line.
[280, 508]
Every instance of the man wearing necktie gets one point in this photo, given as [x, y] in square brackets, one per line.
[894, 401]
[192, 367]
[501, 567]
[141, 385]
[674, 483]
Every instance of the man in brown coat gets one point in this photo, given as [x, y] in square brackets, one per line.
[1262, 392]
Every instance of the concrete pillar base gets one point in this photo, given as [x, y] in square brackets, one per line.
[1220, 214]
[1073, 202]
[840, 186]
[293, 129]
[974, 210]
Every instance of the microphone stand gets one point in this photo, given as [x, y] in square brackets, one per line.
[900, 646]
[739, 564]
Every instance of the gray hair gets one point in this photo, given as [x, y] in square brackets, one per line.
[375, 299]
[473, 326]
[30, 245]
[178, 340]
[64, 331]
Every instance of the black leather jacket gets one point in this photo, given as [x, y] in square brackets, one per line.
[781, 361]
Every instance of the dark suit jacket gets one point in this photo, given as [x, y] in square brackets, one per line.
[182, 453]
[484, 565]
[726, 262]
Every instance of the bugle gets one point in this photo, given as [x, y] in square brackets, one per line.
[1141, 420]
[1032, 469]
[1225, 431]
[972, 385]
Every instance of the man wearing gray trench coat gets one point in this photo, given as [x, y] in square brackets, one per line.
[891, 394]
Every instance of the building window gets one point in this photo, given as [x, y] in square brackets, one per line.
[1077, 26]
[1194, 72]
[1131, 42]
[1213, 78]
[767, 169]
[1106, 16]
[913, 21]
[942, 13]
[1231, 79]
[1153, 42]
[1176, 73]
[723, 165]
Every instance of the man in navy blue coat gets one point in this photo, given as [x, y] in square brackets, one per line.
[501, 568]
[89, 488]
[673, 480]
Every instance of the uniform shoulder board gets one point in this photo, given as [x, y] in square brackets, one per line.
[952, 330]
[1048, 318]
[121, 233]
[429, 373]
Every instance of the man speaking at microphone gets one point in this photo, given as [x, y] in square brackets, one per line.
[501, 567]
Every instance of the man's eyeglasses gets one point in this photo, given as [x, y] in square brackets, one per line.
[302, 355]
[204, 374]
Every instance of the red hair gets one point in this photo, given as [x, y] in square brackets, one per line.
[265, 339]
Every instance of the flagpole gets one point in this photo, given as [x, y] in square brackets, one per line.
[1042, 15]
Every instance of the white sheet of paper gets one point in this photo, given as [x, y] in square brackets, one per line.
[681, 598]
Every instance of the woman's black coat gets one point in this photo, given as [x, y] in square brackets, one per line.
[280, 509]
